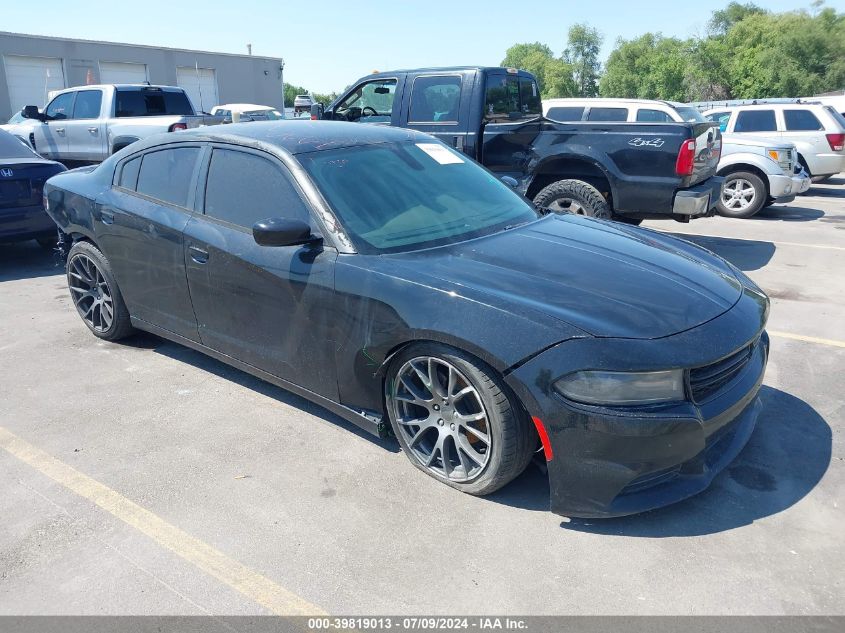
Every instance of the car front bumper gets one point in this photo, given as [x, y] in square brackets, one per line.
[613, 461]
[699, 199]
[22, 223]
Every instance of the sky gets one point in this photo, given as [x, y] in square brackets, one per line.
[327, 44]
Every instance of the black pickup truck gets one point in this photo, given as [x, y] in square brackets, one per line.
[624, 171]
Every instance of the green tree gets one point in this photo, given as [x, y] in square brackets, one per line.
[290, 94]
[582, 54]
[648, 67]
[724, 19]
[554, 76]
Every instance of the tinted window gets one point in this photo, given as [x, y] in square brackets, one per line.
[244, 188]
[569, 113]
[87, 104]
[653, 116]
[607, 114]
[61, 107]
[689, 114]
[129, 174]
[511, 98]
[166, 175]
[801, 120]
[529, 97]
[371, 102]
[721, 118]
[755, 121]
[435, 99]
[150, 102]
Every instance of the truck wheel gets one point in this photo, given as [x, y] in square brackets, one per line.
[456, 420]
[574, 196]
[743, 196]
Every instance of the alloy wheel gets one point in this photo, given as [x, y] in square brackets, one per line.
[738, 194]
[442, 418]
[90, 292]
[567, 205]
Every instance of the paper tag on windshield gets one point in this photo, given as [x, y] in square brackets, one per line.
[440, 153]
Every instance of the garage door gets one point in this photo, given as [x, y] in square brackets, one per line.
[30, 79]
[122, 73]
[200, 84]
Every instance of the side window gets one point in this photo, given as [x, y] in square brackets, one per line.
[755, 121]
[243, 188]
[129, 174]
[607, 114]
[61, 107]
[87, 104]
[502, 98]
[166, 174]
[529, 97]
[435, 99]
[568, 113]
[801, 120]
[652, 116]
[371, 102]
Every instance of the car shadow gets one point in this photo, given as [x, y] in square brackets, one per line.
[143, 340]
[828, 189]
[788, 213]
[744, 254]
[783, 462]
[26, 260]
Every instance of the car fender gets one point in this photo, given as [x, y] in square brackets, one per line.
[763, 163]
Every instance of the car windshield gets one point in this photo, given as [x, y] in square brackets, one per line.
[690, 114]
[12, 147]
[406, 196]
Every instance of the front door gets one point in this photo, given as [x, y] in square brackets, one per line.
[270, 307]
[139, 223]
[51, 136]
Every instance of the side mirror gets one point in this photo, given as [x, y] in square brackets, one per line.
[31, 112]
[510, 182]
[282, 232]
[317, 111]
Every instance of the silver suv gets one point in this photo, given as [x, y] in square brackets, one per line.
[816, 130]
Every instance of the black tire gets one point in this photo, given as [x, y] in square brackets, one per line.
[79, 260]
[574, 196]
[512, 439]
[736, 183]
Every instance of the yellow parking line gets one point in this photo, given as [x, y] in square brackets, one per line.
[807, 339]
[200, 554]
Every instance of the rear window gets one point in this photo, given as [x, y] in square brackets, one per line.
[435, 99]
[653, 116]
[566, 113]
[129, 174]
[607, 114]
[510, 98]
[801, 120]
[131, 102]
[840, 118]
[167, 174]
[690, 114]
[756, 121]
[87, 104]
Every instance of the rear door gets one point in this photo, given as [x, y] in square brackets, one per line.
[439, 104]
[85, 129]
[269, 307]
[139, 223]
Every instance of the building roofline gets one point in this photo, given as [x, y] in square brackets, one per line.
[147, 46]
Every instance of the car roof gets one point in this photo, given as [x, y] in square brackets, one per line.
[243, 106]
[766, 106]
[296, 137]
[588, 100]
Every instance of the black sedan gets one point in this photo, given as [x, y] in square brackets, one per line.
[396, 282]
[22, 177]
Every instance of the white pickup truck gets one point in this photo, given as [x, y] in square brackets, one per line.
[86, 124]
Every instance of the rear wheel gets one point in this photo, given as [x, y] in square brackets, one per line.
[455, 419]
[574, 196]
[95, 293]
[744, 195]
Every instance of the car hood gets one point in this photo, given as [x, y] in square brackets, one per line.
[605, 278]
[733, 140]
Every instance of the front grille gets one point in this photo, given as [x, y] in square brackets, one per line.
[706, 381]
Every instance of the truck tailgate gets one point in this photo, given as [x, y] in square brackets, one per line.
[708, 149]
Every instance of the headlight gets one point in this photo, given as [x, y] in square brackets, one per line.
[781, 157]
[621, 387]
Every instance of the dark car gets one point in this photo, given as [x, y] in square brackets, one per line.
[22, 177]
[401, 285]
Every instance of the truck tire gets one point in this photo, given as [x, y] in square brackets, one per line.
[744, 195]
[574, 196]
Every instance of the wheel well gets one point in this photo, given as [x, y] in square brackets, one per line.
[749, 168]
[804, 164]
[563, 169]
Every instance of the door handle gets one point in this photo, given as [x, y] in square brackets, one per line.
[60, 131]
[198, 255]
[107, 217]
[94, 130]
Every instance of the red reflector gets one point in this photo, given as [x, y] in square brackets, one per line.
[544, 438]
[686, 159]
[177, 126]
[313, 117]
[836, 141]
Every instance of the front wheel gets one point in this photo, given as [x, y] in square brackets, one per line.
[455, 419]
[744, 195]
[574, 196]
[95, 293]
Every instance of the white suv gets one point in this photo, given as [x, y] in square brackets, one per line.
[816, 130]
[629, 110]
